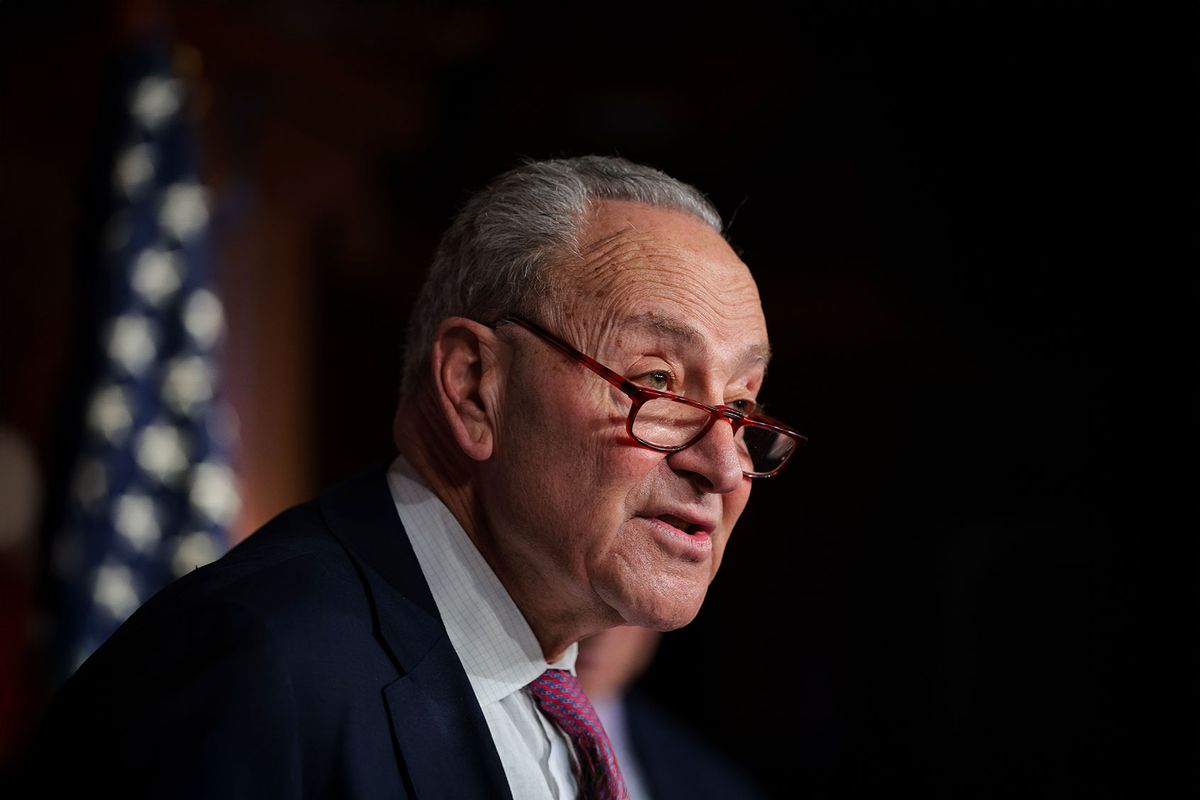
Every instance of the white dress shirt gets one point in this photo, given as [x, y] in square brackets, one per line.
[493, 641]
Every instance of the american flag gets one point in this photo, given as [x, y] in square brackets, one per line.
[152, 494]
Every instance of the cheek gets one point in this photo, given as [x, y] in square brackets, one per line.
[617, 485]
[574, 460]
[622, 480]
[564, 435]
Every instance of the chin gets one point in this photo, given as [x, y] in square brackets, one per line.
[671, 608]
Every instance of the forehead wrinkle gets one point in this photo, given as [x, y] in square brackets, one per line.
[625, 270]
[661, 324]
[616, 286]
[625, 248]
[601, 243]
[628, 268]
[684, 334]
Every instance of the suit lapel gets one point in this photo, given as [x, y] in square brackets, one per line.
[445, 743]
[443, 739]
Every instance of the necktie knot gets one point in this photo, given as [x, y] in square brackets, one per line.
[561, 698]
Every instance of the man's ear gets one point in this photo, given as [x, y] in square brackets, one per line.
[465, 381]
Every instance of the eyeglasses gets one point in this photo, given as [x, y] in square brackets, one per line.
[669, 423]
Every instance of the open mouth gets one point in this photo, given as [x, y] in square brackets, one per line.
[682, 524]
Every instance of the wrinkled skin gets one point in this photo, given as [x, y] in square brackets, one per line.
[565, 501]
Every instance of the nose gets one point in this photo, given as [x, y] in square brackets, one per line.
[712, 462]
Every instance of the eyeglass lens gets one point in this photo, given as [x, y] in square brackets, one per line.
[667, 423]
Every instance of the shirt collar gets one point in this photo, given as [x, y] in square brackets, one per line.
[496, 646]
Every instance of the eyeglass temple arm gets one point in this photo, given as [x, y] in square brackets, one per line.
[634, 391]
[616, 379]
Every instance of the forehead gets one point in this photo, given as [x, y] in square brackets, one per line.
[654, 271]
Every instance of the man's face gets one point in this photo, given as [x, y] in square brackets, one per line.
[587, 522]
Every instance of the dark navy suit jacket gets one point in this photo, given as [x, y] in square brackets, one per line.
[676, 763]
[309, 661]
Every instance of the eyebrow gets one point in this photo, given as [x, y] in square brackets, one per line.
[684, 334]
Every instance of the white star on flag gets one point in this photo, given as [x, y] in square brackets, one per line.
[194, 550]
[184, 210]
[162, 452]
[213, 492]
[188, 385]
[109, 413]
[157, 274]
[204, 318]
[154, 101]
[134, 169]
[152, 494]
[136, 520]
[131, 343]
[113, 590]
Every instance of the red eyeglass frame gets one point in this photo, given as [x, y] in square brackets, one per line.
[640, 394]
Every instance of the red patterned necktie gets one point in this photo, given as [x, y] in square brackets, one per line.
[561, 698]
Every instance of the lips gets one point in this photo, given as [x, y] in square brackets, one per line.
[680, 523]
[691, 523]
[681, 534]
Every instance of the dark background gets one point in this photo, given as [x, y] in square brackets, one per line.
[973, 229]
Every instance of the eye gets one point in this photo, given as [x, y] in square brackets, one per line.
[660, 379]
[746, 406]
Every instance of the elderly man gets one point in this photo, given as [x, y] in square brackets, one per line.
[577, 437]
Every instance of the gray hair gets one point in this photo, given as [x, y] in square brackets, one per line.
[498, 254]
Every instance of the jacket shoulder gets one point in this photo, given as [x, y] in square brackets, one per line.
[248, 672]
